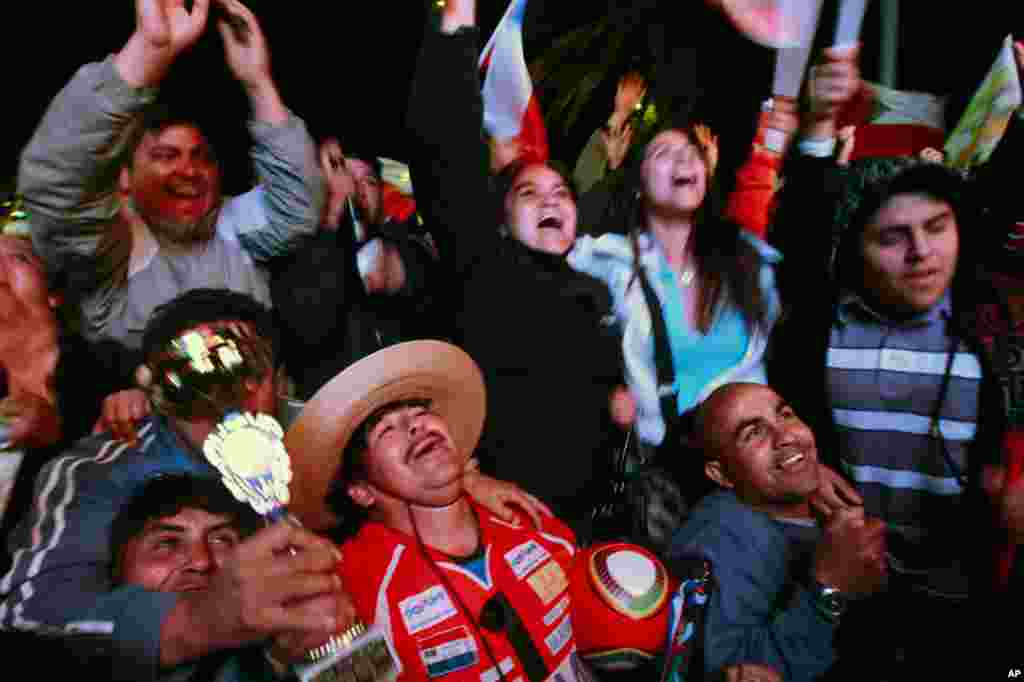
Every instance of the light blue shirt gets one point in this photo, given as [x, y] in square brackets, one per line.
[610, 259]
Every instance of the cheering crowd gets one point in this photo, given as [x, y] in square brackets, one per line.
[808, 386]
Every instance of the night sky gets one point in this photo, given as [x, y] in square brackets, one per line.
[345, 67]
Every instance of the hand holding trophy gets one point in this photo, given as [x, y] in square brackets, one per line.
[207, 373]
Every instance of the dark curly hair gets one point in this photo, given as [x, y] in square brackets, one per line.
[872, 183]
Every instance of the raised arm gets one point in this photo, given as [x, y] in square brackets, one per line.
[68, 171]
[445, 119]
[804, 220]
[272, 219]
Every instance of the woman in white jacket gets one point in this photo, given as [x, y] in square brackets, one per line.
[714, 284]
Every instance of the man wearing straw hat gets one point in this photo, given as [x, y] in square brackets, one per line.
[456, 590]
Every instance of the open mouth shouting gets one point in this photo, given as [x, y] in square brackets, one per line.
[551, 222]
[431, 443]
[187, 190]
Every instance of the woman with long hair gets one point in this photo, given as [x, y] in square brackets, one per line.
[542, 332]
[708, 284]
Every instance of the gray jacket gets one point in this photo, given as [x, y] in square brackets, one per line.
[68, 177]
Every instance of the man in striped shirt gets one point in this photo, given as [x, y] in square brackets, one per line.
[907, 399]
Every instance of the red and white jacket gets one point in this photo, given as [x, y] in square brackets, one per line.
[395, 587]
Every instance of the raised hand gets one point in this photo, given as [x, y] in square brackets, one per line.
[833, 83]
[340, 184]
[163, 30]
[629, 93]
[709, 141]
[245, 46]
[248, 57]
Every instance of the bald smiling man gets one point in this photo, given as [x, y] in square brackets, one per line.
[783, 579]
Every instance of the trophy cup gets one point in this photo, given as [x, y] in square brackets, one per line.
[203, 373]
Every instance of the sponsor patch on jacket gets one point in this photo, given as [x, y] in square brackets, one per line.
[448, 651]
[525, 557]
[560, 636]
[426, 609]
[491, 674]
[556, 613]
[548, 582]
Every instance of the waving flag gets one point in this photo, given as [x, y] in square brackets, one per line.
[987, 116]
[894, 122]
[511, 110]
[781, 24]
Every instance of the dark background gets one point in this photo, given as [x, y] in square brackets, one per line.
[345, 67]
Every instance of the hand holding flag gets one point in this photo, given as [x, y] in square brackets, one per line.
[511, 111]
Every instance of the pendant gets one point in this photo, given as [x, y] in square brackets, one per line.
[686, 279]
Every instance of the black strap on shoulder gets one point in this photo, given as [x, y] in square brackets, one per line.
[664, 366]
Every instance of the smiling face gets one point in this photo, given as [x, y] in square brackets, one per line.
[178, 553]
[909, 251]
[410, 457]
[174, 183]
[540, 210]
[757, 446]
[674, 174]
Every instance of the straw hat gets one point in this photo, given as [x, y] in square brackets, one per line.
[434, 370]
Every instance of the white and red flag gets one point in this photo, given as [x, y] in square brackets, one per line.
[894, 122]
[511, 109]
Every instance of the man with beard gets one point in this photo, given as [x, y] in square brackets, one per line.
[781, 581]
[179, 232]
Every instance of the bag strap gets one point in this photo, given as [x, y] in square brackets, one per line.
[664, 366]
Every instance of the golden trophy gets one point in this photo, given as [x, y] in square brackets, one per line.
[203, 373]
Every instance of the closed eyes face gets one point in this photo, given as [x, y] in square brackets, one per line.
[674, 174]
[910, 251]
[411, 456]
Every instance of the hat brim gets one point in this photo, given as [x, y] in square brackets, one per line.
[316, 441]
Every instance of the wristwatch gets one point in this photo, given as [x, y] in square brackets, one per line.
[829, 601]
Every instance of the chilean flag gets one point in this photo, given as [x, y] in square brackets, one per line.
[894, 122]
[510, 108]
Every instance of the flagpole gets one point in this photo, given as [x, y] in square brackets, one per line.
[888, 45]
